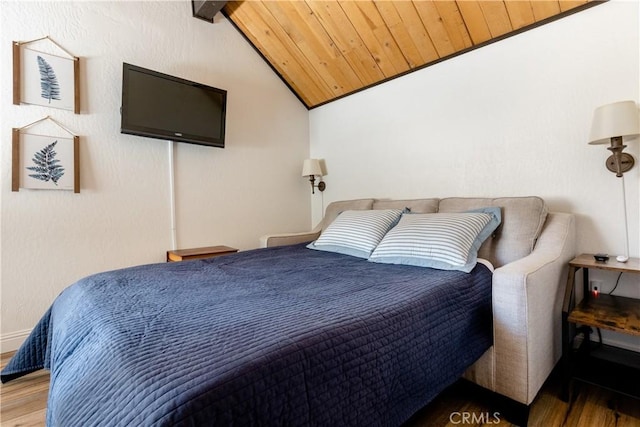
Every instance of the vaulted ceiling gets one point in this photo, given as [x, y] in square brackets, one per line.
[325, 50]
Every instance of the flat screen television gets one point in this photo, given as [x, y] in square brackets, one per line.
[158, 105]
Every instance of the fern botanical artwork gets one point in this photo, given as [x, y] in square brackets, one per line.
[45, 165]
[46, 79]
[45, 162]
[50, 89]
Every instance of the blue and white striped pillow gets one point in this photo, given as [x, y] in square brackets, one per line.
[446, 241]
[356, 233]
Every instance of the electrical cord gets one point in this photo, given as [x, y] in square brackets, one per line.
[609, 293]
[617, 281]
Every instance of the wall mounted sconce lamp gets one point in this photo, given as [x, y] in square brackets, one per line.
[611, 123]
[312, 168]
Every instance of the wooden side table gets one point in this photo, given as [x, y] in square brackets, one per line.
[199, 253]
[610, 367]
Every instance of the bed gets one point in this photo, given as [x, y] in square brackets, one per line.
[279, 336]
[289, 335]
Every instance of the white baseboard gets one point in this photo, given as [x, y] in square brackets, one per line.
[13, 340]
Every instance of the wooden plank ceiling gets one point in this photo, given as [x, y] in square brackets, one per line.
[325, 50]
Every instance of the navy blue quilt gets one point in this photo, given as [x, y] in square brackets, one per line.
[269, 337]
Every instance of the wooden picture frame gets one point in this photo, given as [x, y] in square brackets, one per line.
[44, 162]
[45, 79]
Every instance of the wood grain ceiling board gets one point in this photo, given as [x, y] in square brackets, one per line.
[327, 49]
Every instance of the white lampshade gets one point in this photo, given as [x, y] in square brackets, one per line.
[311, 167]
[612, 120]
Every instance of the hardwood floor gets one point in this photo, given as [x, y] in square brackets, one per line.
[590, 406]
[23, 403]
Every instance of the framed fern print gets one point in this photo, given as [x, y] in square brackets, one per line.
[45, 79]
[43, 162]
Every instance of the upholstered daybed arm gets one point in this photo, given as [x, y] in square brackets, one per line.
[527, 305]
[271, 240]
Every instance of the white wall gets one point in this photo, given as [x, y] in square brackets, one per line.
[508, 119]
[49, 239]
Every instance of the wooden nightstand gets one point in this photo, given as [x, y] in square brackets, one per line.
[199, 253]
[610, 367]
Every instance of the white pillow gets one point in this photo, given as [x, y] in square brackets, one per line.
[446, 241]
[356, 233]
